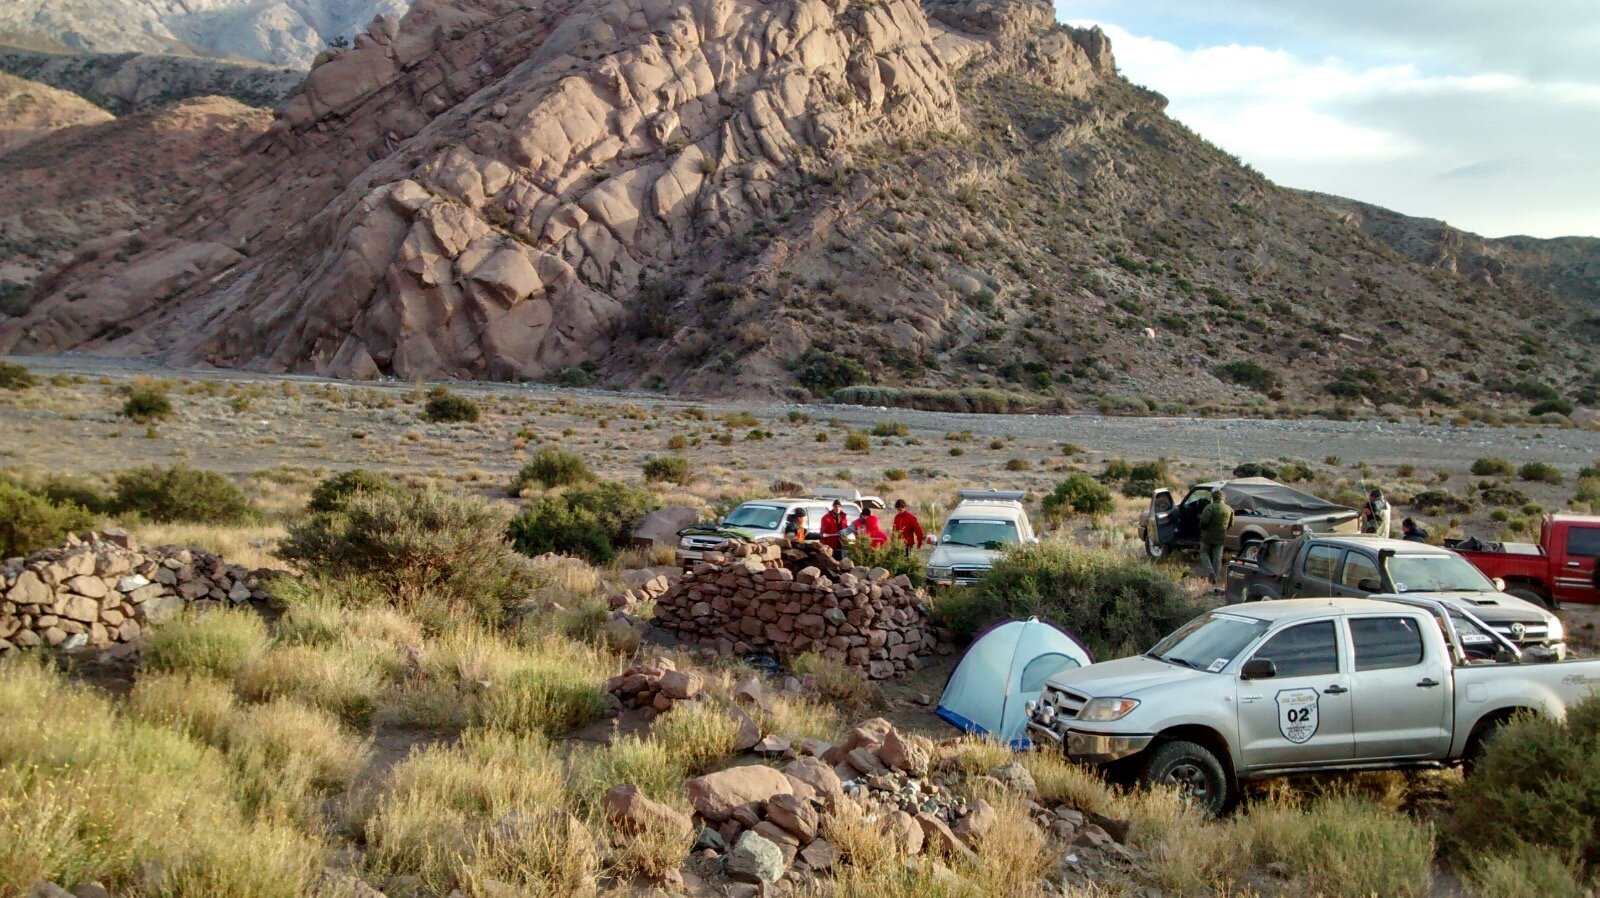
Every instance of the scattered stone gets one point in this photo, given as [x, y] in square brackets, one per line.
[716, 796]
[819, 856]
[1015, 776]
[903, 832]
[708, 839]
[632, 812]
[981, 817]
[754, 859]
[795, 815]
[43, 889]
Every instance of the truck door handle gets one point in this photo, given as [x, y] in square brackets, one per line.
[1335, 690]
[1572, 564]
[1428, 682]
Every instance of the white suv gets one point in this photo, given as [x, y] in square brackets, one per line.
[763, 520]
[984, 524]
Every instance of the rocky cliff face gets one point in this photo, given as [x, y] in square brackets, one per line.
[737, 196]
[279, 32]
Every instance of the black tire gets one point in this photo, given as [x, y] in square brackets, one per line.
[1529, 594]
[1194, 771]
[1152, 548]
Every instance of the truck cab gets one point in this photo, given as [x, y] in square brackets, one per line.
[1561, 567]
[1262, 508]
[978, 530]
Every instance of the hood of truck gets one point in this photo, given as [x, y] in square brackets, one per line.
[1122, 678]
[1493, 607]
[951, 556]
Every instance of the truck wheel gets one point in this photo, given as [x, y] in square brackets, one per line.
[1528, 594]
[1194, 771]
[1153, 548]
[1478, 744]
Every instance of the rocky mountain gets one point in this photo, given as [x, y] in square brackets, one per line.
[68, 194]
[124, 83]
[1565, 266]
[738, 197]
[279, 32]
[30, 111]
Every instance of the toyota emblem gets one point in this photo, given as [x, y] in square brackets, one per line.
[1518, 631]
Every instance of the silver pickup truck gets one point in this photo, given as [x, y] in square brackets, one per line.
[1302, 685]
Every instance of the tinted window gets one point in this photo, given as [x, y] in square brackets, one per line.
[1303, 651]
[1384, 642]
[1584, 541]
[1322, 561]
[1358, 567]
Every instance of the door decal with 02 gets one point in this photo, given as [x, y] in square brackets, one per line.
[1297, 714]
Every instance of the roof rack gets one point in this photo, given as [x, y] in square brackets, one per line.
[841, 495]
[992, 495]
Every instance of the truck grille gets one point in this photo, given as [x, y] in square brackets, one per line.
[701, 543]
[1066, 702]
[968, 574]
[1532, 633]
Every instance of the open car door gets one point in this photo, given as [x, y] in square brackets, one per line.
[1162, 532]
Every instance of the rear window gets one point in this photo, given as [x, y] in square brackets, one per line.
[1322, 561]
[1583, 541]
[1303, 651]
[1385, 642]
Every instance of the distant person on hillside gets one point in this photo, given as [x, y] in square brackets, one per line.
[907, 528]
[869, 526]
[834, 523]
[795, 529]
[1412, 532]
[1375, 514]
[1215, 521]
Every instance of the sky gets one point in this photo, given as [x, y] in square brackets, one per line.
[1484, 113]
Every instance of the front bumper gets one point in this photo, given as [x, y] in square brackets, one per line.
[1093, 748]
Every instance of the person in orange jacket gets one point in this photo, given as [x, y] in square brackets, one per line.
[834, 522]
[907, 528]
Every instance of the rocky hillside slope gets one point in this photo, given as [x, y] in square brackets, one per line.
[733, 197]
[134, 82]
[30, 111]
[1565, 266]
[65, 195]
[278, 32]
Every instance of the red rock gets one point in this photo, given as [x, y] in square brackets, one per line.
[902, 831]
[632, 812]
[795, 815]
[716, 795]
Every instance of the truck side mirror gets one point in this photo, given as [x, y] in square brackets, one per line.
[1258, 669]
[1370, 584]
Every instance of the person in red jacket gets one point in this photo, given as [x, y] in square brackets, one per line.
[907, 529]
[869, 525]
[834, 522]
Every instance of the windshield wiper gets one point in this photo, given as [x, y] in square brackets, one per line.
[1174, 659]
[957, 542]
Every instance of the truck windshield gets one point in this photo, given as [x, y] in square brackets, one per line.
[1436, 573]
[755, 517]
[979, 534]
[1208, 642]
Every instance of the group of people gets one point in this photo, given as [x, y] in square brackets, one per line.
[836, 525]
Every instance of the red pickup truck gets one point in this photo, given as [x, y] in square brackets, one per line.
[1561, 568]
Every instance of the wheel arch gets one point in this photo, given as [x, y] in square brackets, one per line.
[1205, 737]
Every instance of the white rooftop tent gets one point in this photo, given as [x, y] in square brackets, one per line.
[1004, 669]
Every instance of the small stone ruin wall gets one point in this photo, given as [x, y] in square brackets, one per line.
[103, 589]
[788, 598]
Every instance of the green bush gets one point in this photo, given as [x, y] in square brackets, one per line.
[1503, 496]
[669, 468]
[16, 377]
[590, 522]
[1018, 464]
[823, 372]
[890, 430]
[976, 400]
[890, 556]
[1256, 469]
[183, 494]
[1248, 374]
[1537, 784]
[1539, 472]
[445, 407]
[1078, 494]
[551, 468]
[332, 493]
[857, 441]
[422, 546]
[1552, 407]
[29, 523]
[147, 405]
[1492, 467]
[1114, 604]
[1441, 502]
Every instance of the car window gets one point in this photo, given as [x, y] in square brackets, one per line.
[1358, 567]
[979, 534]
[1322, 561]
[756, 517]
[1583, 541]
[1162, 503]
[1385, 642]
[1302, 651]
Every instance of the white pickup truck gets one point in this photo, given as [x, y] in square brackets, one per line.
[1302, 685]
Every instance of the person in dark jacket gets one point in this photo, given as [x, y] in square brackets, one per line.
[1412, 532]
[796, 528]
[1215, 521]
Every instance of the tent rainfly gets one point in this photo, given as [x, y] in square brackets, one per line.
[1005, 668]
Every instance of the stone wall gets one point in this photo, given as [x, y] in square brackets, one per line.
[105, 588]
[789, 598]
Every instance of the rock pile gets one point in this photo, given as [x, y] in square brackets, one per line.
[657, 685]
[788, 598]
[102, 590]
[646, 590]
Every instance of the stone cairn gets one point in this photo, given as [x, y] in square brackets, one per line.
[789, 598]
[101, 590]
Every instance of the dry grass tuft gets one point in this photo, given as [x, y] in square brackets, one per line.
[1062, 782]
[218, 643]
[345, 680]
[199, 706]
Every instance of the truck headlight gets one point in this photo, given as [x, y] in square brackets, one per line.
[1102, 709]
[939, 573]
[1557, 632]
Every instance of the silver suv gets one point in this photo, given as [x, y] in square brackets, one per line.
[978, 530]
[762, 520]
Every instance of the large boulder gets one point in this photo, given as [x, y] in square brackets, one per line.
[716, 796]
[631, 812]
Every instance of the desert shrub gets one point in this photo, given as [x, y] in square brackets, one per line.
[894, 475]
[590, 522]
[647, 763]
[147, 405]
[1552, 407]
[1247, 374]
[892, 557]
[423, 547]
[1539, 472]
[1256, 469]
[888, 429]
[344, 680]
[198, 705]
[823, 372]
[1116, 470]
[1537, 784]
[29, 523]
[551, 468]
[445, 407]
[857, 441]
[66, 489]
[16, 377]
[1018, 464]
[975, 399]
[289, 757]
[1078, 494]
[1503, 496]
[331, 494]
[181, 494]
[1492, 467]
[1528, 870]
[669, 468]
[698, 736]
[217, 643]
[836, 682]
[1441, 502]
[1116, 605]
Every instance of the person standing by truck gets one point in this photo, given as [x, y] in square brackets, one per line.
[1375, 514]
[907, 528]
[868, 525]
[835, 523]
[1215, 520]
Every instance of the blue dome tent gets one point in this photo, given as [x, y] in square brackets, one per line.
[1005, 668]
